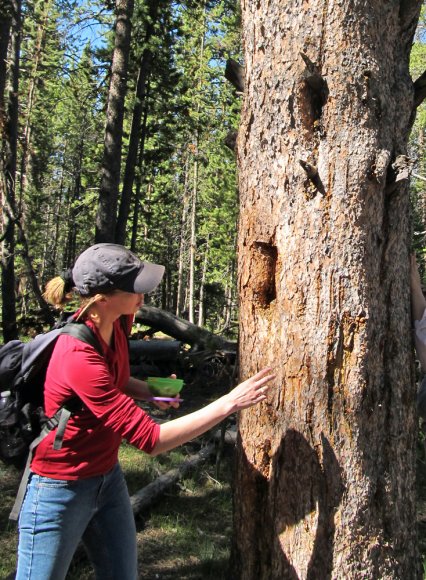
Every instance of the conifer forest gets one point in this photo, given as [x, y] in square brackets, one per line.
[114, 124]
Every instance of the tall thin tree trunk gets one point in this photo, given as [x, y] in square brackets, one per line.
[111, 164]
[193, 238]
[11, 22]
[135, 131]
[229, 300]
[74, 208]
[201, 307]
[30, 101]
[325, 485]
[180, 300]
[132, 154]
[5, 24]
[137, 196]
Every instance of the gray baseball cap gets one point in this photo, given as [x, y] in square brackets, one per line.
[106, 267]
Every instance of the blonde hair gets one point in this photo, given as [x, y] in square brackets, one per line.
[55, 293]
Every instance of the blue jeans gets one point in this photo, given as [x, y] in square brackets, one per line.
[57, 514]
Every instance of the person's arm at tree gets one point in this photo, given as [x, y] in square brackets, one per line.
[183, 429]
[418, 305]
[418, 301]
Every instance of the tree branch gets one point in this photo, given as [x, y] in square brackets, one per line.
[234, 73]
[420, 90]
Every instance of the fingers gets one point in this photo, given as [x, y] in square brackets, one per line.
[175, 405]
[164, 405]
[254, 389]
[262, 373]
[263, 377]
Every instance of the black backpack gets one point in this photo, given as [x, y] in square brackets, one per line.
[22, 374]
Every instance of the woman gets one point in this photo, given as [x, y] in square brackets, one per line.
[78, 492]
[418, 315]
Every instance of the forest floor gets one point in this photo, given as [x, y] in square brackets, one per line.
[187, 534]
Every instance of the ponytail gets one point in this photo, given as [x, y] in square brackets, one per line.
[58, 291]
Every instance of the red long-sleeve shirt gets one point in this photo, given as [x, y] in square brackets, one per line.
[92, 435]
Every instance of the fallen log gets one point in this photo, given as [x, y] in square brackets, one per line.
[182, 329]
[154, 349]
[146, 496]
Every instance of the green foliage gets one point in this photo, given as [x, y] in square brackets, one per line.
[188, 110]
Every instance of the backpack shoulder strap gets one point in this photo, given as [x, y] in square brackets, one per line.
[59, 420]
[82, 332]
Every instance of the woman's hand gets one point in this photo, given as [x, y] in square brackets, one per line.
[251, 391]
[418, 302]
[183, 429]
[164, 405]
[414, 274]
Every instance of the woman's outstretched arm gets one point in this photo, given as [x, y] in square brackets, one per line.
[183, 429]
[418, 301]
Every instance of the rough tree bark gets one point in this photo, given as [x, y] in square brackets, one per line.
[325, 475]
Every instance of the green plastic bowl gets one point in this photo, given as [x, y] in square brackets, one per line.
[164, 387]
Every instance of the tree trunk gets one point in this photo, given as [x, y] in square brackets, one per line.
[132, 154]
[193, 219]
[34, 80]
[180, 297]
[138, 180]
[11, 24]
[135, 131]
[111, 164]
[325, 468]
[201, 307]
[193, 239]
[5, 24]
